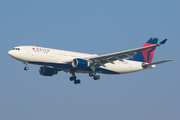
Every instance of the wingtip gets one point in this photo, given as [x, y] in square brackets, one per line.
[170, 60]
[163, 42]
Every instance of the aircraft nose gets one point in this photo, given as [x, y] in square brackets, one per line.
[15, 54]
[10, 52]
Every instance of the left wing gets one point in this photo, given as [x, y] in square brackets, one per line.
[109, 58]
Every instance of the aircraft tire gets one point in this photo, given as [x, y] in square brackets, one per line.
[92, 74]
[77, 81]
[96, 77]
[72, 78]
[26, 68]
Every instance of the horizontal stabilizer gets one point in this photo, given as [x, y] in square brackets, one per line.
[155, 63]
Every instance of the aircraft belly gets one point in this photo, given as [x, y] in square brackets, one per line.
[124, 67]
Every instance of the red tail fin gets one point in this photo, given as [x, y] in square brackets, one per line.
[146, 55]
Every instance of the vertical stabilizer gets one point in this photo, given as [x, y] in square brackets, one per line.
[146, 55]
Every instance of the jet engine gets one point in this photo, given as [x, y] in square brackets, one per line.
[47, 71]
[80, 63]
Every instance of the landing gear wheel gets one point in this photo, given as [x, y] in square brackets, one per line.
[26, 68]
[77, 81]
[96, 77]
[92, 74]
[72, 78]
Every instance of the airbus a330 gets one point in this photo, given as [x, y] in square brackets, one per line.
[52, 60]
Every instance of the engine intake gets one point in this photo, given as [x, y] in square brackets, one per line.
[47, 71]
[80, 63]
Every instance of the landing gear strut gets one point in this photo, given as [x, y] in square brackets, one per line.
[95, 77]
[26, 67]
[73, 78]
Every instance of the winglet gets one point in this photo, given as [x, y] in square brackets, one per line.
[163, 42]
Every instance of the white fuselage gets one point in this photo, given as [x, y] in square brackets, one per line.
[59, 60]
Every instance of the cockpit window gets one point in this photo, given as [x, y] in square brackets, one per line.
[16, 48]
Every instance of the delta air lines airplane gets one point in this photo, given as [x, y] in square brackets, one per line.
[53, 60]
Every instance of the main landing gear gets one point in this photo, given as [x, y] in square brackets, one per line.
[93, 74]
[73, 78]
[77, 81]
[26, 67]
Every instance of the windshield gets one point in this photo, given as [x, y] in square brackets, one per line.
[16, 48]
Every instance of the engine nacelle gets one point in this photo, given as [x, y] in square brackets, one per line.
[80, 63]
[47, 71]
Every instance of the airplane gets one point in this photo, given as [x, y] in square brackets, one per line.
[53, 60]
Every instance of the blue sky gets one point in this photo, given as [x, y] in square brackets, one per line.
[97, 27]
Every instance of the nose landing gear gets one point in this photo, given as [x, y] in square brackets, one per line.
[26, 67]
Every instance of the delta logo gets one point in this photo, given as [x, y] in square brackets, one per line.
[40, 49]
